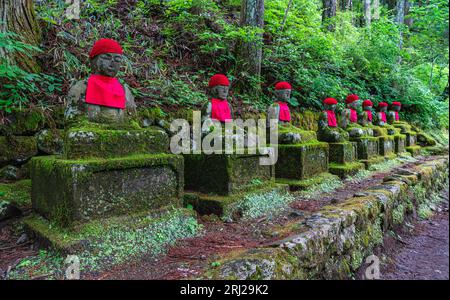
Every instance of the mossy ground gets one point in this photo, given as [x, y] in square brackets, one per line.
[108, 242]
[18, 193]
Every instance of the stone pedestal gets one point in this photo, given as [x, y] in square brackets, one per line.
[411, 137]
[400, 143]
[104, 173]
[214, 183]
[386, 145]
[303, 164]
[83, 190]
[368, 150]
[343, 159]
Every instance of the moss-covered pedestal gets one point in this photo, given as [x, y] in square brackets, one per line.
[411, 137]
[105, 171]
[304, 163]
[213, 183]
[343, 159]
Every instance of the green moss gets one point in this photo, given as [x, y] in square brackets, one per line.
[301, 161]
[414, 150]
[18, 193]
[224, 174]
[24, 122]
[398, 214]
[85, 189]
[301, 185]
[16, 149]
[100, 245]
[345, 170]
[85, 142]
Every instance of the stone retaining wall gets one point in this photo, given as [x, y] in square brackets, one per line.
[333, 243]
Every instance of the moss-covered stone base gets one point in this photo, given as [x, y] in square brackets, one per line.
[83, 236]
[400, 143]
[17, 149]
[103, 143]
[386, 145]
[334, 242]
[367, 147]
[411, 138]
[345, 170]
[341, 153]
[373, 160]
[301, 161]
[414, 150]
[206, 204]
[300, 185]
[68, 191]
[225, 174]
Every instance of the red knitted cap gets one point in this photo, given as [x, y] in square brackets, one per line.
[330, 101]
[105, 46]
[219, 79]
[367, 103]
[396, 103]
[283, 85]
[382, 104]
[351, 98]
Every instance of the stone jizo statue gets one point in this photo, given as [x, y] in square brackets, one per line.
[328, 126]
[381, 115]
[393, 115]
[366, 117]
[349, 116]
[101, 97]
[280, 111]
[218, 108]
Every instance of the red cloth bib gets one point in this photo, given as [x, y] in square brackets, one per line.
[220, 110]
[369, 115]
[105, 91]
[397, 117]
[383, 116]
[331, 118]
[353, 116]
[285, 114]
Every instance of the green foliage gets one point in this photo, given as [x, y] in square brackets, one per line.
[19, 87]
[173, 46]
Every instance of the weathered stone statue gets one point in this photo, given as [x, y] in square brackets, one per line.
[381, 115]
[349, 115]
[279, 111]
[218, 108]
[101, 97]
[328, 128]
[350, 118]
[392, 115]
[366, 117]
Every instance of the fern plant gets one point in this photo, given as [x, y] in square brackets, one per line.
[17, 86]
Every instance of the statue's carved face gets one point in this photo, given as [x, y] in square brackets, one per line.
[330, 107]
[383, 109]
[353, 105]
[107, 64]
[283, 95]
[220, 92]
[367, 107]
[395, 108]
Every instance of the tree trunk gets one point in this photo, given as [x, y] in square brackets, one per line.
[400, 18]
[346, 4]
[376, 9]
[285, 15]
[367, 13]
[329, 11]
[18, 16]
[252, 14]
[408, 20]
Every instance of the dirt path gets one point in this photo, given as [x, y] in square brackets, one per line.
[422, 254]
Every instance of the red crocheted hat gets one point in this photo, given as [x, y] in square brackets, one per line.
[351, 98]
[396, 103]
[330, 101]
[367, 103]
[105, 46]
[283, 85]
[219, 79]
[382, 104]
